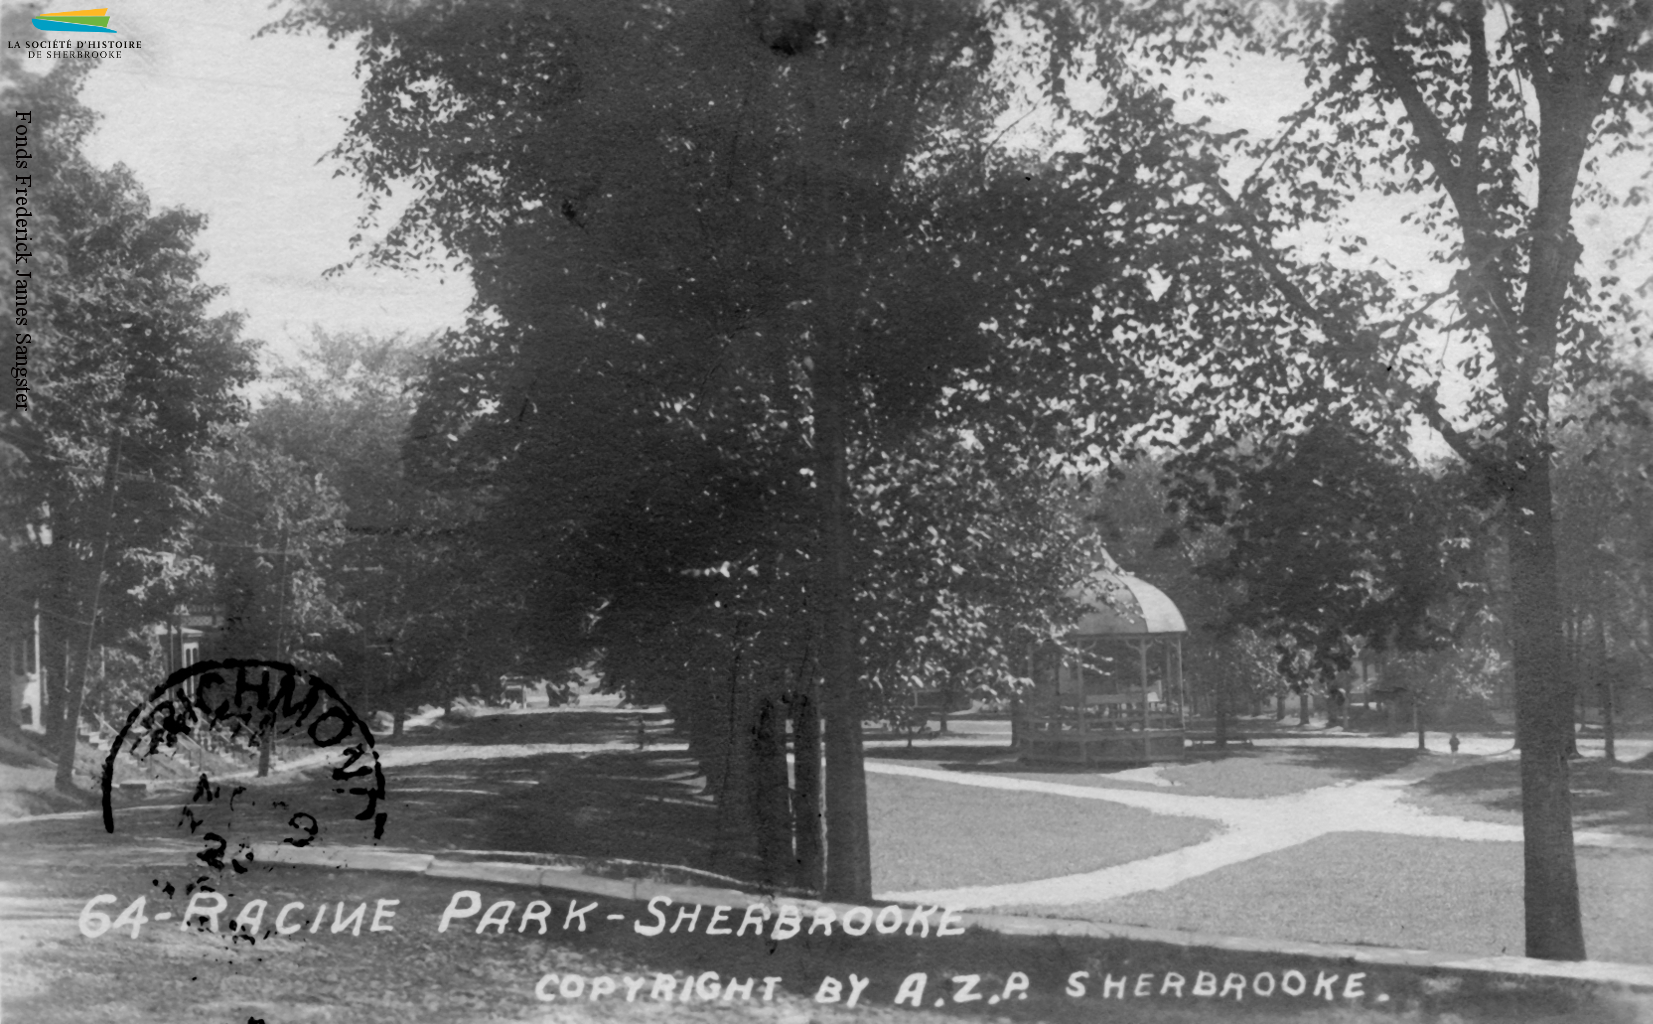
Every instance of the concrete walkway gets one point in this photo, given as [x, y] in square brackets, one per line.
[1250, 828]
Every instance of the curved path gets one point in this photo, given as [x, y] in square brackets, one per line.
[1251, 828]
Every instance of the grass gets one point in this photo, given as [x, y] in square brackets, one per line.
[937, 835]
[410, 974]
[1403, 891]
[650, 806]
[415, 974]
[1604, 796]
[1234, 772]
[636, 805]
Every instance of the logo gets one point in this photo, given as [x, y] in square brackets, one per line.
[94, 20]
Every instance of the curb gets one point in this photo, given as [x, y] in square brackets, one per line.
[1634, 977]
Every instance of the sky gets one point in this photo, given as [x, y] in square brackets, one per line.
[238, 128]
[211, 118]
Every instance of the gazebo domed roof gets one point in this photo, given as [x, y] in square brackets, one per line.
[1121, 605]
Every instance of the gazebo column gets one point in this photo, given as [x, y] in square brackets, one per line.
[1142, 662]
[1165, 691]
[1182, 686]
[1080, 709]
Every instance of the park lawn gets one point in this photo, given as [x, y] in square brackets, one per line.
[1252, 774]
[1605, 797]
[649, 806]
[937, 835]
[1282, 771]
[416, 975]
[410, 974]
[1446, 895]
[479, 785]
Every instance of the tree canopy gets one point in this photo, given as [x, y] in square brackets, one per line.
[1498, 124]
[132, 377]
[759, 301]
[738, 263]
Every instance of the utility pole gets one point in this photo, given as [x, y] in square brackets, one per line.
[266, 736]
[75, 690]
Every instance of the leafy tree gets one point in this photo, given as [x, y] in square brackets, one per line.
[1340, 546]
[1226, 664]
[267, 541]
[969, 549]
[419, 608]
[731, 260]
[1603, 547]
[1497, 124]
[130, 380]
[270, 535]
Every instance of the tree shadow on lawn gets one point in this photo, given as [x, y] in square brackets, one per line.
[952, 756]
[636, 804]
[645, 806]
[1352, 764]
[1604, 796]
[560, 726]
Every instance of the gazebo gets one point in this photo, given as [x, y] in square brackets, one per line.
[1121, 698]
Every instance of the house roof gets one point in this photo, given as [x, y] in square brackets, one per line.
[1120, 604]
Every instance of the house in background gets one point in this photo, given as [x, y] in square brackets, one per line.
[25, 682]
[189, 635]
[181, 639]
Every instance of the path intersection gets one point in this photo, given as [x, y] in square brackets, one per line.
[1250, 828]
[516, 781]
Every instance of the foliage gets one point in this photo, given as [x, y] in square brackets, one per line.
[967, 556]
[269, 539]
[1604, 552]
[131, 380]
[1494, 124]
[415, 620]
[1338, 545]
[746, 276]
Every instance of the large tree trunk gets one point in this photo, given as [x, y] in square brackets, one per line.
[1221, 709]
[729, 723]
[58, 609]
[1605, 681]
[74, 676]
[66, 690]
[848, 852]
[808, 820]
[53, 642]
[771, 794]
[1544, 721]
[68, 738]
[724, 723]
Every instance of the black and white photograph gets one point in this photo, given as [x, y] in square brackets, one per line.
[832, 511]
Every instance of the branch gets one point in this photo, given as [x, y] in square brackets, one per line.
[1475, 27]
[1458, 173]
[1436, 148]
[1424, 400]
[1279, 142]
[1429, 407]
